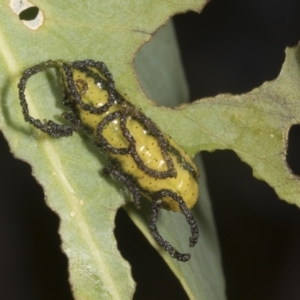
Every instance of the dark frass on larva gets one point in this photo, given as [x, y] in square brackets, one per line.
[148, 162]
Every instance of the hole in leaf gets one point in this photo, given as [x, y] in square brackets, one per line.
[293, 149]
[29, 13]
[158, 67]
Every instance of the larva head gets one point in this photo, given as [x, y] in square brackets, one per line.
[89, 91]
[85, 84]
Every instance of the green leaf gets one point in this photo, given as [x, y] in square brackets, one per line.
[255, 125]
[69, 169]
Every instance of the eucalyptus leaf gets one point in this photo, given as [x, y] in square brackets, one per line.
[255, 125]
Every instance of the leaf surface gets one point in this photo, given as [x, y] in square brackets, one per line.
[69, 169]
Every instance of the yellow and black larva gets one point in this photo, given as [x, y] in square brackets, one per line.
[148, 162]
